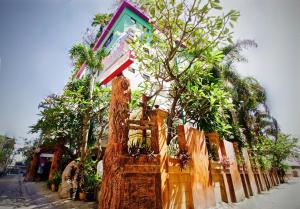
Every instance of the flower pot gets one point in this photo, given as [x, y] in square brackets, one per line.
[215, 165]
[53, 187]
[90, 196]
[81, 195]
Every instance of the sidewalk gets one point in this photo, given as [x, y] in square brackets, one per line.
[14, 193]
[284, 196]
[59, 203]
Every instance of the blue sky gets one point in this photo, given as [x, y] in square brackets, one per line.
[36, 35]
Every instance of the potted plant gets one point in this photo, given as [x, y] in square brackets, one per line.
[90, 179]
[82, 194]
[91, 183]
[240, 161]
[225, 162]
[49, 183]
[55, 181]
[213, 152]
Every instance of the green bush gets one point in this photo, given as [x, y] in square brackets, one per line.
[91, 179]
[56, 178]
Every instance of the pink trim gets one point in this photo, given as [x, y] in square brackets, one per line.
[124, 4]
[118, 71]
[81, 71]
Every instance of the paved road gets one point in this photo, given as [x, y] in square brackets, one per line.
[14, 193]
[284, 196]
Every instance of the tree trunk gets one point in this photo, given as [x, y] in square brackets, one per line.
[111, 189]
[85, 131]
[171, 119]
[86, 123]
[85, 135]
[247, 132]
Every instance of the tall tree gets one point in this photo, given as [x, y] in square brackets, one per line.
[187, 33]
[101, 20]
[82, 54]
[59, 122]
[7, 145]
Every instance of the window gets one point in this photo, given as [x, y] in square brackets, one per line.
[133, 21]
[145, 76]
[130, 69]
[108, 41]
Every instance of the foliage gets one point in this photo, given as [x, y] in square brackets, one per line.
[58, 121]
[207, 104]
[190, 57]
[173, 148]
[240, 159]
[77, 95]
[82, 54]
[184, 45]
[61, 116]
[92, 33]
[272, 153]
[28, 149]
[91, 179]
[248, 96]
[183, 158]
[213, 152]
[138, 147]
[7, 145]
[135, 100]
[56, 178]
[225, 162]
[283, 148]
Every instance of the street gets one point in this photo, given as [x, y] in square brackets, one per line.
[14, 193]
[284, 196]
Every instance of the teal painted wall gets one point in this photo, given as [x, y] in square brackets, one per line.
[125, 20]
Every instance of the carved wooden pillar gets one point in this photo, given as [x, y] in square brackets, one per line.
[181, 138]
[201, 177]
[33, 167]
[213, 139]
[158, 117]
[58, 150]
[112, 187]
[254, 187]
[234, 177]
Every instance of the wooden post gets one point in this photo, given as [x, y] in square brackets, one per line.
[55, 161]
[159, 145]
[112, 185]
[234, 177]
[181, 138]
[33, 167]
[201, 178]
[253, 186]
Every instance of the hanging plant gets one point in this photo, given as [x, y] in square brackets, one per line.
[225, 162]
[183, 158]
[213, 152]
